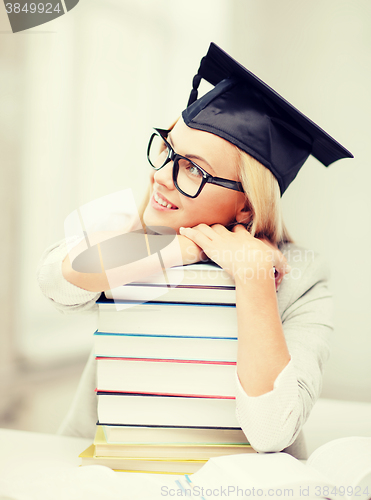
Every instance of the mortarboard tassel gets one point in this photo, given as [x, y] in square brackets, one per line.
[194, 92]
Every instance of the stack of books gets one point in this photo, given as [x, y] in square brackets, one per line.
[166, 375]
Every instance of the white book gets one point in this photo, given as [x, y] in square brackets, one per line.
[191, 320]
[167, 451]
[126, 345]
[180, 293]
[167, 377]
[198, 283]
[199, 274]
[135, 434]
[340, 469]
[128, 409]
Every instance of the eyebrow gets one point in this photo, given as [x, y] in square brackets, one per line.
[191, 156]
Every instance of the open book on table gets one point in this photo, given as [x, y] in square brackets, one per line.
[340, 469]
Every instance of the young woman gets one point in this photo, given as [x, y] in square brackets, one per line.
[217, 178]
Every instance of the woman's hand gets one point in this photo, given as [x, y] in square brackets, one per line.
[240, 254]
[191, 252]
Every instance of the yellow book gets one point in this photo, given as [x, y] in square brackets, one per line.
[165, 451]
[159, 466]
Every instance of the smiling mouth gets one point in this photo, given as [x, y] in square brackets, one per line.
[163, 202]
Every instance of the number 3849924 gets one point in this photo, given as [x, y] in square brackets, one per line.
[32, 8]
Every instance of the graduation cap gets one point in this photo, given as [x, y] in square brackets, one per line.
[245, 111]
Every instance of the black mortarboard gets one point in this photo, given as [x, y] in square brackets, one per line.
[248, 113]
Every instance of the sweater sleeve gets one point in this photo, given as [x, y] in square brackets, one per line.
[64, 295]
[272, 421]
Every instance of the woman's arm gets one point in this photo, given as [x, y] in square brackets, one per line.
[275, 394]
[93, 282]
[180, 251]
[273, 421]
[262, 349]
[72, 291]
[65, 296]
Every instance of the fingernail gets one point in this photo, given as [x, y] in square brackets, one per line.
[288, 268]
[181, 229]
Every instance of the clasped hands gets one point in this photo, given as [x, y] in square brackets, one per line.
[243, 256]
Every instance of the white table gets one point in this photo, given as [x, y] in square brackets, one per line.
[37, 466]
[31, 446]
[46, 467]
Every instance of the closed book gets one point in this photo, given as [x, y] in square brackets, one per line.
[88, 457]
[164, 346]
[138, 409]
[198, 274]
[181, 293]
[201, 283]
[168, 451]
[192, 320]
[168, 377]
[155, 434]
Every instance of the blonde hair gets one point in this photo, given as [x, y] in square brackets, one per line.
[263, 200]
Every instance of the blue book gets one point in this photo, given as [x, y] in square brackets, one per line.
[133, 345]
[169, 318]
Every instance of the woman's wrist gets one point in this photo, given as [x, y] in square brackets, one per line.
[256, 276]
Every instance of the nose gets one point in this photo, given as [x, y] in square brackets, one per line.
[164, 176]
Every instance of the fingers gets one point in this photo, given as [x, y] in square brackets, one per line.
[202, 229]
[200, 236]
[206, 230]
[239, 228]
[219, 229]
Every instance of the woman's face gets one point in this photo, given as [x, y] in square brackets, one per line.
[215, 204]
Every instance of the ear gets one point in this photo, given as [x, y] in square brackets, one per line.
[244, 214]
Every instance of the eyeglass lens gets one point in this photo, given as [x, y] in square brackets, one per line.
[158, 152]
[188, 175]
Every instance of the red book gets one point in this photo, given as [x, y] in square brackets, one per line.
[140, 409]
[167, 377]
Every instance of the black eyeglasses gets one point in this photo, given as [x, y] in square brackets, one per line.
[189, 178]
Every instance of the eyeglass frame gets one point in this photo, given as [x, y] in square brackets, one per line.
[175, 157]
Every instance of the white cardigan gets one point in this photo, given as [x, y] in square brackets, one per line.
[272, 421]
